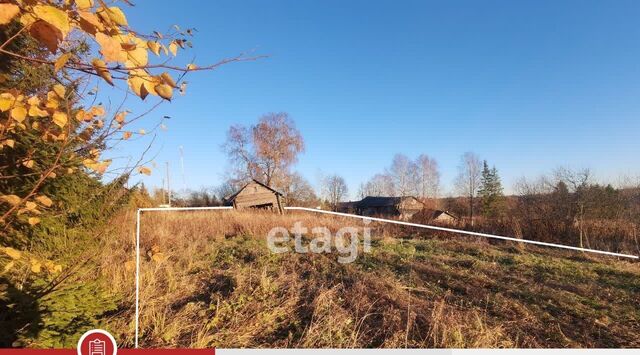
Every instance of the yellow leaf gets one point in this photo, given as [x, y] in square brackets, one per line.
[53, 16]
[141, 83]
[168, 80]
[126, 135]
[57, 268]
[102, 166]
[6, 101]
[30, 205]
[138, 57]
[60, 119]
[61, 62]
[80, 115]
[9, 142]
[12, 253]
[192, 67]
[120, 116]
[142, 132]
[110, 48]
[154, 47]
[33, 221]
[98, 111]
[89, 22]
[8, 12]
[101, 69]
[29, 163]
[84, 4]
[44, 200]
[19, 113]
[59, 90]
[52, 100]
[173, 48]
[33, 101]
[27, 19]
[36, 267]
[35, 111]
[164, 91]
[49, 265]
[144, 170]
[116, 15]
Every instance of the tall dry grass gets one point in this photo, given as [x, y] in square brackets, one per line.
[207, 279]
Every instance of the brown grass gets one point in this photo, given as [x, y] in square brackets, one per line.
[207, 279]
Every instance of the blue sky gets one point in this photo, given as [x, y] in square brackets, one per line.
[527, 85]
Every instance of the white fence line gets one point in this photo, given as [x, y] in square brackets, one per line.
[460, 231]
[443, 229]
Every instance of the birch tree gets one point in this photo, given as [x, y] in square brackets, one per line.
[467, 182]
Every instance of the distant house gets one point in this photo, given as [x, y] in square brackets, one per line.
[256, 195]
[347, 207]
[439, 216]
[403, 207]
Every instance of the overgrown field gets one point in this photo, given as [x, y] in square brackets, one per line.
[208, 279]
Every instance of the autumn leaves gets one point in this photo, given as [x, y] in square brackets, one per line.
[123, 51]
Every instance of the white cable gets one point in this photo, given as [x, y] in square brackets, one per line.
[463, 232]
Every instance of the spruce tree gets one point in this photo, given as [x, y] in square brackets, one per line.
[491, 192]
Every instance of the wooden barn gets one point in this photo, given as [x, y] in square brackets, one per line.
[347, 207]
[439, 216]
[256, 195]
[403, 207]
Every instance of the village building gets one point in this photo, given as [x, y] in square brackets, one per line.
[256, 195]
[347, 207]
[438, 216]
[403, 207]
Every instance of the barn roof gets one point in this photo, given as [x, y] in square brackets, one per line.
[431, 214]
[381, 201]
[232, 197]
[439, 213]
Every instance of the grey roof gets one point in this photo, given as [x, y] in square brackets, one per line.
[381, 201]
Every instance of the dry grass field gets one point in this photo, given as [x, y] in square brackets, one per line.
[209, 280]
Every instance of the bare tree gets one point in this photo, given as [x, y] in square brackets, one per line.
[575, 179]
[378, 185]
[428, 177]
[298, 191]
[403, 175]
[225, 189]
[265, 151]
[468, 179]
[578, 182]
[334, 190]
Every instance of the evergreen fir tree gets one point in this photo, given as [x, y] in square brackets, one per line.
[491, 192]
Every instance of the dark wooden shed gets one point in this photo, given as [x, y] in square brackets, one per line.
[256, 195]
[403, 207]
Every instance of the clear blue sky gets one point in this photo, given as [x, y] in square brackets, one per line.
[527, 85]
